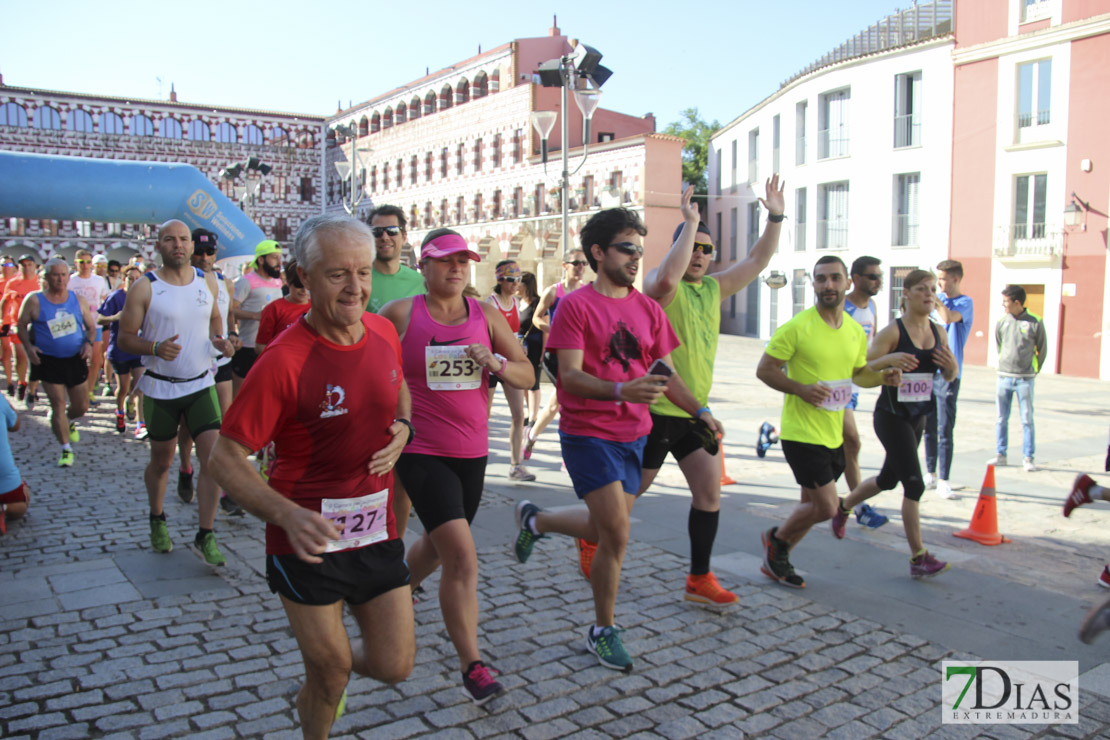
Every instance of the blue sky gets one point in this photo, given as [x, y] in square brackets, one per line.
[721, 57]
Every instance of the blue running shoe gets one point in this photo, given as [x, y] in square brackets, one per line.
[870, 518]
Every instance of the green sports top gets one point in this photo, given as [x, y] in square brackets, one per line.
[695, 314]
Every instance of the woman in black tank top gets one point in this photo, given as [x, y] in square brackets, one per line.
[913, 344]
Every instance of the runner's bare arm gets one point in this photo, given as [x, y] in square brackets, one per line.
[577, 381]
[398, 312]
[518, 370]
[679, 394]
[662, 282]
[383, 460]
[944, 358]
[308, 532]
[131, 320]
[739, 275]
[881, 355]
[90, 329]
[540, 319]
[216, 320]
[770, 371]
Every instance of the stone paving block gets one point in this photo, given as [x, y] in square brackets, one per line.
[103, 710]
[838, 714]
[37, 722]
[258, 727]
[66, 732]
[76, 699]
[804, 727]
[123, 721]
[555, 728]
[756, 724]
[42, 691]
[208, 720]
[850, 731]
[680, 729]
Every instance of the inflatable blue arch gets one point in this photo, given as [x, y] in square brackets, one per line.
[42, 186]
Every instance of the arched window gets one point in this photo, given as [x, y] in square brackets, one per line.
[110, 123]
[446, 97]
[339, 137]
[430, 103]
[79, 120]
[462, 92]
[402, 112]
[226, 133]
[495, 81]
[363, 126]
[199, 131]
[278, 136]
[387, 118]
[375, 122]
[13, 114]
[481, 85]
[46, 117]
[306, 140]
[253, 135]
[170, 128]
[414, 108]
[141, 125]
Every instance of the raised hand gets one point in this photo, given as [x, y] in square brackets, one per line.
[775, 202]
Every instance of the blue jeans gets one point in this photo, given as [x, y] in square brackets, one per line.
[1023, 387]
[939, 426]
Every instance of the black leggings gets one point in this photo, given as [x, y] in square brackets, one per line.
[442, 488]
[900, 438]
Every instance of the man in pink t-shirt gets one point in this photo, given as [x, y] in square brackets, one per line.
[607, 336]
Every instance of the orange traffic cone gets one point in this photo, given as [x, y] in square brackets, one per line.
[725, 480]
[984, 522]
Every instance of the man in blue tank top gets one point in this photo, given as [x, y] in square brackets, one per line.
[57, 329]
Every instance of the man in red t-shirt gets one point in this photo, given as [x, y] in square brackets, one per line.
[281, 314]
[15, 290]
[329, 392]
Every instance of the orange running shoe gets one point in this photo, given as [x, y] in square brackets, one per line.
[704, 589]
[586, 550]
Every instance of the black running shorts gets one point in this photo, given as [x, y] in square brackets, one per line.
[354, 576]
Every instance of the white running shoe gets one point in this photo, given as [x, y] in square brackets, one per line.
[1029, 465]
[930, 480]
[998, 461]
[945, 491]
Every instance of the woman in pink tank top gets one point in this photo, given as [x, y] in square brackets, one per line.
[450, 345]
[508, 285]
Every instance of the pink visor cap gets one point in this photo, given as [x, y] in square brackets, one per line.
[445, 245]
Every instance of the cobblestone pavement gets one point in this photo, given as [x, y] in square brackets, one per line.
[100, 637]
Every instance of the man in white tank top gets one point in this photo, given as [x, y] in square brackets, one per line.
[175, 308]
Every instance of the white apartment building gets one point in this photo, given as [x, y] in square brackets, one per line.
[863, 140]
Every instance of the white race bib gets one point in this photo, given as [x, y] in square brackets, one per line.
[62, 325]
[916, 387]
[841, 394]
[361, 521]
[449, 369]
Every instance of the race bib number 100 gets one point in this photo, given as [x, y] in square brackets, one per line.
[449, 369]
[916, 387]
[839, 396]
[361, 521]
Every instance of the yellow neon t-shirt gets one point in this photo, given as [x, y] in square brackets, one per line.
[814, 351]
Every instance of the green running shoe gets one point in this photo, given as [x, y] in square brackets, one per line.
[608, 648]
[74, 435]
[342, 703]
[66, 460]
[207, 549]
[525, 540]
[160, 536]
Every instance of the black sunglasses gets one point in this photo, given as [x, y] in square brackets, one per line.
[206, 249]
[379, 231]
[703, 247]
[577, 263]
[872, 276]
[508, 280]
[629, 248]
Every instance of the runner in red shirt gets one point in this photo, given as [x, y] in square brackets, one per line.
[16, 289]
[508, 285]
[339, 427]
[279, 315]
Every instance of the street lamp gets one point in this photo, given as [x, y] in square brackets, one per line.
[246, 191]
[578, 72]
[1075, 214]
[356, 172]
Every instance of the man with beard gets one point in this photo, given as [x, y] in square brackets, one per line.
[15, 291]
[392, 280]
[252, 292]
[176, 309]
[823, 354]
[609, 337]
[867, 281]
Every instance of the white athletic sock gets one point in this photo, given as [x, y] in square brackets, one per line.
[67, 447]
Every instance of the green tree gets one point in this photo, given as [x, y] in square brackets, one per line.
[695, 153]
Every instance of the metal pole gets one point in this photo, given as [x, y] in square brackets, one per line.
[566, 158]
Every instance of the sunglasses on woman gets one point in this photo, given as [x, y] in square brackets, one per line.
[508, 280]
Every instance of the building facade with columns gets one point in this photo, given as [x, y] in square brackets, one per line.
[211, 138]
[862, 138]
[457, 149]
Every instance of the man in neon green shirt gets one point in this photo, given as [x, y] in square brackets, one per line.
[692, 301]
[823, 354]
[391, 280]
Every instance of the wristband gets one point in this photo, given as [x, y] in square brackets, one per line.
[233, 333]
[702, 410]
[776, 219]
[154, 349]
[504, 362]
[412, 431]
[617, 392]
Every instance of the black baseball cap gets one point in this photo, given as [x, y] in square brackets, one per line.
[26, 256]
